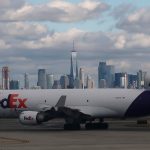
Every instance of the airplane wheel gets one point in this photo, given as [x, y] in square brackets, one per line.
[96, 126]
[72, 127]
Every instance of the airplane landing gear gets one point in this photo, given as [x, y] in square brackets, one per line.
[101, 125]
[73, 126]
[96, 126]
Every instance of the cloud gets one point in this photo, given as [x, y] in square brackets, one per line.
[139, 40]
[122, 10]
[120, 42]
[37, 42]
[136, 22]
[22, 30]
[9, 4]
[55, 11]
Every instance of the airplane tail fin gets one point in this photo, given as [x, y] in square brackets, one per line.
[61, 102]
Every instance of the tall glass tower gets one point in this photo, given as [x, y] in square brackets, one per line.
[50, 81]
[42, 78]
[73, 69]
[106, 75]
[5, 78]
[101, 74]
[26, 81]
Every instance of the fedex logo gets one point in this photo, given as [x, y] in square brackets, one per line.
[29, 118]
[13, 101]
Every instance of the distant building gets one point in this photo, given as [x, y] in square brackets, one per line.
[81, 78]
[5, 78]
[42, 78]
[110, 76]
[89, 82]
[56, 84]
[14, 84]
[101, 74]
[121, 80]
[26, 81]
[106, 75]
[73, 69]
[132, 81]
[140, 79]
[64, 81]
[118, 79]
[50, 81]
[102, 83]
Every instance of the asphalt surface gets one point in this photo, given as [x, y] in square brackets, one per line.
[124, 135]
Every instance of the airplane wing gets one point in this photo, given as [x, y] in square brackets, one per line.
[73, 113]
[68, 112]
[60, 110]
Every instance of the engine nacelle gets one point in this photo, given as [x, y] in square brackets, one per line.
[29, 118]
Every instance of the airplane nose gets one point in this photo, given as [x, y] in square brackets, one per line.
[140, 106]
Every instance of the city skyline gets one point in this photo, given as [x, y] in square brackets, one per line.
[107, 78]
[38, 34]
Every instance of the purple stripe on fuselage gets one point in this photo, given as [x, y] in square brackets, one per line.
[140, 106]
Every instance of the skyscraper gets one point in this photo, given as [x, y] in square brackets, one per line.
[26, 81]
[124, 81]
[14, 84]
[106, 75]
[73, 69]
[101, 73]
[118, 79]
[102, 83]
[64, 81]
[50, 80]
[5, 78]
[42, 78]
[110, 76]
[81, 78]
[132, 81]
[121, 80]
[89, 82]
[56, 84]
[140, 79]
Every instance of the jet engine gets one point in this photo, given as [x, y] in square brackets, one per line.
[35, 118]
[31, 118]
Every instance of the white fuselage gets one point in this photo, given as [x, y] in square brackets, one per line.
[94, 102]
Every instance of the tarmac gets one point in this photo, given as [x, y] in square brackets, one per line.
[124, 135]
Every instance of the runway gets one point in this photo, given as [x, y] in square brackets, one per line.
[124, 135]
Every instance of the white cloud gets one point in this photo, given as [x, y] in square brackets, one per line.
[120, 42]
[22, 29]
[136, 22]
[92, 5]
[139, 40]
[121, 65]
[56, 11]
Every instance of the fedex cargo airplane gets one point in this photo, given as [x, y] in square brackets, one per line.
[75, 106]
